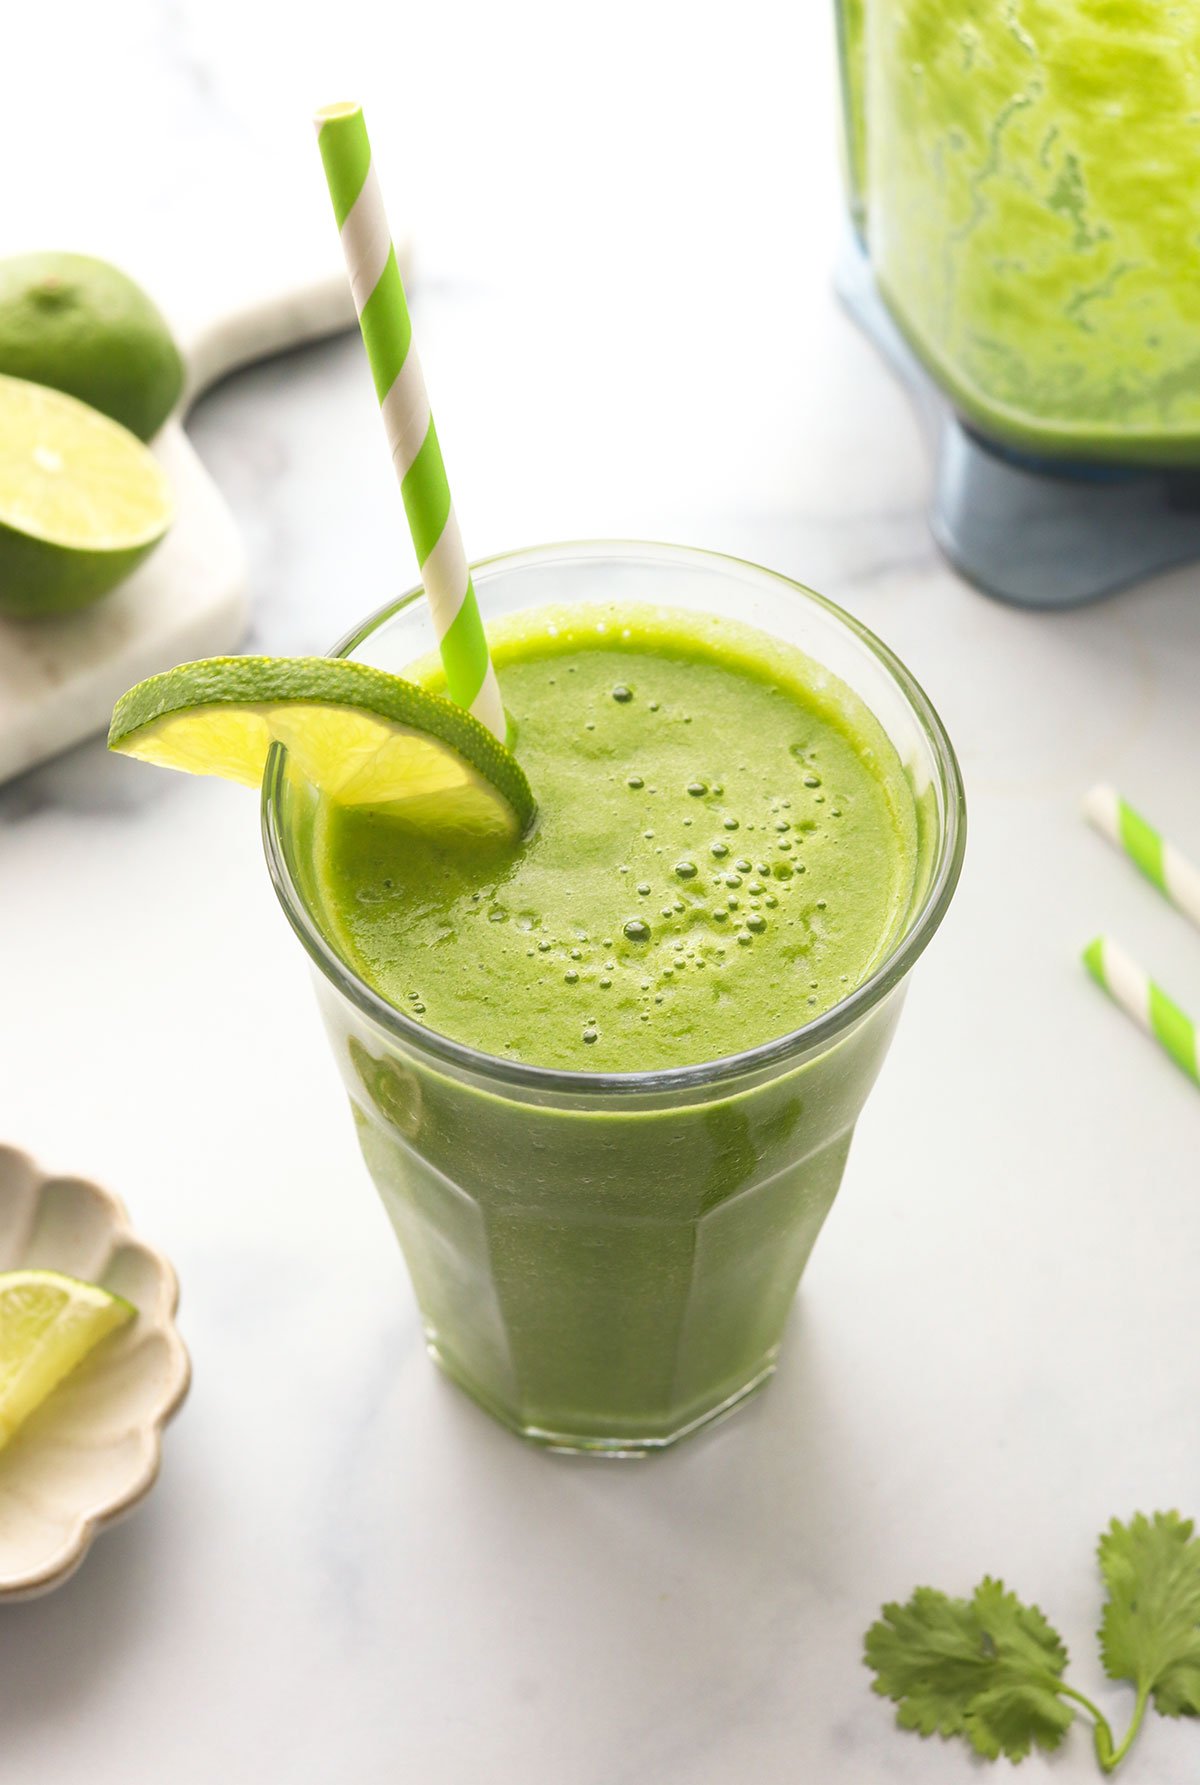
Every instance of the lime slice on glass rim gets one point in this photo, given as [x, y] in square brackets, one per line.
[360, 735]
[82, 502]
[48, 1325]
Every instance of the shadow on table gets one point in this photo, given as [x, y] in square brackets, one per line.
[671, 1598]
[56, 1650]
[738, 1524]
[767, 1489]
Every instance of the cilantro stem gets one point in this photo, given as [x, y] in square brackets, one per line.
[1102, 1734]
[1118, 1755]
[1109, 1757]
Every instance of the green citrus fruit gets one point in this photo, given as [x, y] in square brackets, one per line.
[48, 1324]
[362, 736]
[84, 327]
[82, 502]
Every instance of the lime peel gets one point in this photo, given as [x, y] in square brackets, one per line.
[85, 327]
[359, 734]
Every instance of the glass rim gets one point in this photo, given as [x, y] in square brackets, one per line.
[816, 1035]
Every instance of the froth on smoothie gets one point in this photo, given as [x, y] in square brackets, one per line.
[725, 847]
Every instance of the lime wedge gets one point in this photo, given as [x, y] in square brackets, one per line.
[48, 1324]
[81, 501]
[363, 737]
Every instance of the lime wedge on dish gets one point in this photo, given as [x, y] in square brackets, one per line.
[82, 502]
[362, 736]
[48, 1324]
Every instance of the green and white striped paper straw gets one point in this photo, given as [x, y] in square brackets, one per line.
[387, 335]
[1149, 1006]
[1160, 861]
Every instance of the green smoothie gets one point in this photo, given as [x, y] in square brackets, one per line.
[726, 847]
[1034, 213]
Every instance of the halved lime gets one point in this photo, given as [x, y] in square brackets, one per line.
[360, 735]
[81, 501]
[48, 1324]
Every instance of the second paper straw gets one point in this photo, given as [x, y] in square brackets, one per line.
[416, 455]
[1130, 987]
[1158, 858]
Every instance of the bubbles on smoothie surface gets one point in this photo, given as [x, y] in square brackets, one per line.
[665, 889]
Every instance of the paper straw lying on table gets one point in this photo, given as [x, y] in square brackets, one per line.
[1159, 860]
[387, 335]
[1138, 996]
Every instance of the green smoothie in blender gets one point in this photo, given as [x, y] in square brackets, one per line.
[1033, 210]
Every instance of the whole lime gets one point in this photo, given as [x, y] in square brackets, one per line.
[84, 327]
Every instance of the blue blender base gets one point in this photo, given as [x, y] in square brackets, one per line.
[1036, 532]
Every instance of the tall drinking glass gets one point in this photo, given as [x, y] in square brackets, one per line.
[605, 1260]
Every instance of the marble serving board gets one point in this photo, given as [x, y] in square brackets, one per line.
[237, 297]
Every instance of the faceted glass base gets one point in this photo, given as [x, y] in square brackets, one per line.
[608, 1445]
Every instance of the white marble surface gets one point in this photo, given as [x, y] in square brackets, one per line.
[625, 220]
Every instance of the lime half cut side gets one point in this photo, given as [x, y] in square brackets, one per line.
[360, 735]
[48, 1324]
[82, 502]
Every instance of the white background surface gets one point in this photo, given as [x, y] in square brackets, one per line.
[625, 221]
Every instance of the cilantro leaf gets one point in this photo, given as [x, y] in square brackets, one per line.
[988, 1668]
[1023, 1707]
[927, 1657]
[1150, 1632]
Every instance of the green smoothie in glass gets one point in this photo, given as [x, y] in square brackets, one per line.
[606, 1075]
[725, 844]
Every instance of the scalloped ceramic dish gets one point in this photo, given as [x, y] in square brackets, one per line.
[91, 1450]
